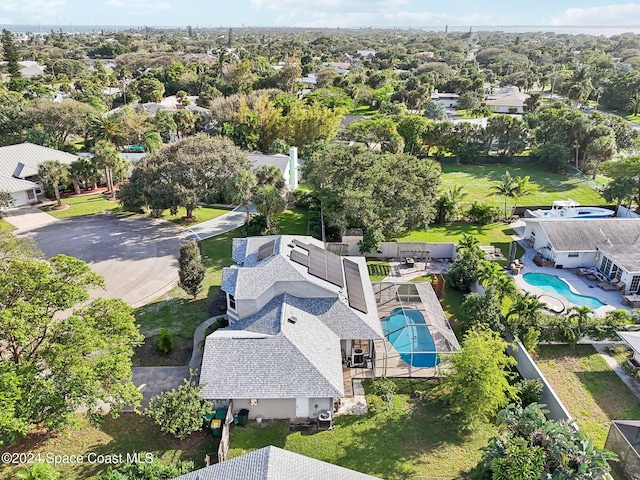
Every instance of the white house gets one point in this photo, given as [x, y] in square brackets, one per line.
[296, 312]
[19, 169]
[446, 99]
[612, 245]
[509, 102]
[288, 165]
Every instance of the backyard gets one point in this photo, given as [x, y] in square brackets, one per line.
[477, 181]
[589, 388]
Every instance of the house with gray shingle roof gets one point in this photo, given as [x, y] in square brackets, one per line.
[610, 244]
[297, 312]
[19, 169]
[273, 463]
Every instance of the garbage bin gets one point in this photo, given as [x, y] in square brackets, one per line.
[243, 417]
[206, 419]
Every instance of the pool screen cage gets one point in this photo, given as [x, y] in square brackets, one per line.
[400, 350]
[624, 441]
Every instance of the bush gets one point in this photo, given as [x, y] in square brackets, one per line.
[164, 342]
[304, 199]
[529, 391]
[258, 226]
[191, 269]
[482, 213]
[385, 389]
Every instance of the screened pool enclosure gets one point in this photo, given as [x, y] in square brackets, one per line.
[415, 328]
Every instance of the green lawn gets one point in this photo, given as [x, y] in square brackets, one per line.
[415, 439]
[203, 213]
[5, 226]
[83, 205]
[497, 234]
[127, 434]
[181, 314]
[378, 270]
[590, 390]
[478, 179]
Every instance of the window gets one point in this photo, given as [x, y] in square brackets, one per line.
[605, 266]
[635, 283]
[232, 302]
[574, 254]
[615, 271]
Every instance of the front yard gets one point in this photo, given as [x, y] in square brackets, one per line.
[590, 390]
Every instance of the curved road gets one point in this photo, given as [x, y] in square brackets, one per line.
[136, 255]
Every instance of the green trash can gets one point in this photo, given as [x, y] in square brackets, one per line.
[206, 419]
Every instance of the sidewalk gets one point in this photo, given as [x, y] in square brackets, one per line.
[224, 223]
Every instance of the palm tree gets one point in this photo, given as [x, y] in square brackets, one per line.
[269, 202]
[507, 187]
[524, 187]
[152, 142]
[270, 175]
[634, 104]
[488, 273]
[240, 189]
[108, 127]
[52, 173]
[107, 157]
[77, 173]
[524, 313]
[455, 196]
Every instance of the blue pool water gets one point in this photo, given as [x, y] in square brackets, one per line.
[407, 331]
[551, 283]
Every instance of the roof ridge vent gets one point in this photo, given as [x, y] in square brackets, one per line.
[292, 320]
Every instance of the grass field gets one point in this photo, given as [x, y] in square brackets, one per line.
[203, 213]
[125, 435]
[378, 270]
[415, 439]
[590, 390]
[83, 205]
[478, 179]
[182, 314]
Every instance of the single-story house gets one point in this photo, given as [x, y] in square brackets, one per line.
[273, 463]
[632, 339]
[288, 165]
[612, 245]
[367, 54]
[446, 99]
[510, 102]
[309, 82]
[297, 312]
[19, 169]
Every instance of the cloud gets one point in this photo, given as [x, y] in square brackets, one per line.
[358, 13]
[628, 14]
[140, 5]
[27, 11]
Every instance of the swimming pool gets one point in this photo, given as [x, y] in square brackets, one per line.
[408, 332]
[551, 283]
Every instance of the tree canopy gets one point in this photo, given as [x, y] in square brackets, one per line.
[358, 187]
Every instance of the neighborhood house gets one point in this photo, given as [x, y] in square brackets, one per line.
[611, 245]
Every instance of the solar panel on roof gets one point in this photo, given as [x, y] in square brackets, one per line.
[300, 258]
[355, 289]
[266, 250]
[300, 244]
[325, 265]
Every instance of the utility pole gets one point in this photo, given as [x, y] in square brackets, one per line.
[553, 84]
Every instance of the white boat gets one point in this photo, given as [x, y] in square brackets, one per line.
[569, 209]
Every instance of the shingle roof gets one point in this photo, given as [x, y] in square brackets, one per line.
[582, 235]
[273, 463]
[300, 359]
[250, 279]
[632, 339]
[279, 160]
[31, 156]
[625, 256]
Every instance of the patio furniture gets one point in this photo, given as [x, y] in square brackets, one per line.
[584, 272]
[608, 286]
[632, 300]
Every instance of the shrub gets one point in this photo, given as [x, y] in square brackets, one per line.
[385, 389]
[258, 226]
[529, 391]
[164, 342]
[191, 269]
[482, 213]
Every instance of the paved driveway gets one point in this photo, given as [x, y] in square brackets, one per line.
[28, 216]
[138, 256]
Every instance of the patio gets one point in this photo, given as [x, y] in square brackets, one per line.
[582, 284]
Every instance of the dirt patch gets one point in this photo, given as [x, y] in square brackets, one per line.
[64, 206]
[218, 305]
[146, 355]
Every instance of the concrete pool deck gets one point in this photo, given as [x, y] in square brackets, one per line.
[580, 285]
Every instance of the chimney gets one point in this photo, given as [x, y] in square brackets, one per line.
[293, 168]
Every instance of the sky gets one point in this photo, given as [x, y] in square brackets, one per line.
[320, 13]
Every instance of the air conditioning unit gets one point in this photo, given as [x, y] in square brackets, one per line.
[357, 358]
